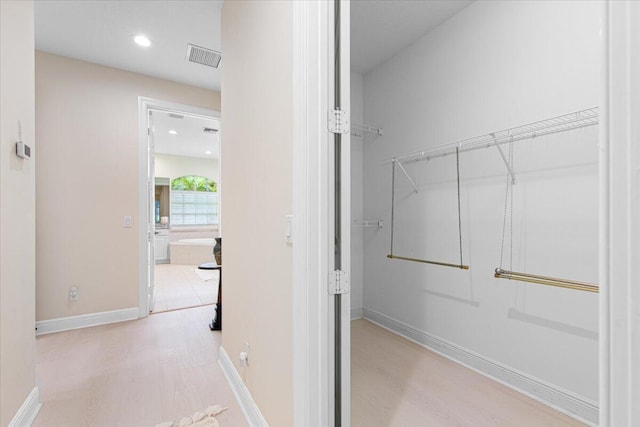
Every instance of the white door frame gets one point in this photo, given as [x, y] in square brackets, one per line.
[313, 347]
[144, 106]
[343, 355]
[620, 216]
[310, 215]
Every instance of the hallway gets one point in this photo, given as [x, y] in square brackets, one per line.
[137, 373]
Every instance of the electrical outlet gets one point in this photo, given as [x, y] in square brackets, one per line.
[244, 355]
[73, 293]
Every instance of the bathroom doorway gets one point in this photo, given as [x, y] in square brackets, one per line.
[181, 196]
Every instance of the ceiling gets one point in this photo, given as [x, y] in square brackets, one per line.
[381, 28]
[189, 139]
[102, 31]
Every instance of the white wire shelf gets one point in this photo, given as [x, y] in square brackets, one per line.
[566, 122]
[362, 131]
[367, 223]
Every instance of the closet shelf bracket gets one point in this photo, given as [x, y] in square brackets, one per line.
[504, 158]
[367, 223]
[406, 174]
[362, 130]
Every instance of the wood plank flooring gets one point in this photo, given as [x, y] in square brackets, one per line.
[395, 382]
[133, 374]
[140, 373]
[181, 286]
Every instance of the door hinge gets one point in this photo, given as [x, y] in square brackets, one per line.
[339, 121]
[339, 282]
[148, 131]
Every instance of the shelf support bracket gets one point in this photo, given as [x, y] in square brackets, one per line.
[404, 171]
[504, 159]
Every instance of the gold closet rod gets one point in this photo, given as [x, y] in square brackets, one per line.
[393, 192]
[545, 280]
[445, 264]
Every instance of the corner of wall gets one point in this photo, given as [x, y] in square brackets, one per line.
[17, 223]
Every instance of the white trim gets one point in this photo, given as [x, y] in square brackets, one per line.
[144, 105]
[620, 216]
[357, 313]
[85, 320]
[345, 178]
[249, 408]
[603, 231]
[562, 400]
[310, 215]
[28, 411]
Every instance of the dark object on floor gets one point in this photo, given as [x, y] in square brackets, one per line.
[216, 323]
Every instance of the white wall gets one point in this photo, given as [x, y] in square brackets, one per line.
[18, 199]
[87, 181]
[494, 65]
[357, 194]
[171, 166]
[257, 112]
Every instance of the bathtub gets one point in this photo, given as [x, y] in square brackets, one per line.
[192, 251]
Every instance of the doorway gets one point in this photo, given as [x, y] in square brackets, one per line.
[443, 203]
[181, 195]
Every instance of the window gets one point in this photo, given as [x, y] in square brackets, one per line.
[194, 201]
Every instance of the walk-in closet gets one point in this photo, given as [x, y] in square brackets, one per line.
[474, 188]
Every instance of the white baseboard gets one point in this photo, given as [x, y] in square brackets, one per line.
[251, 411]
[28, 411]
[564, 401]
[356, 313]
[85, 320]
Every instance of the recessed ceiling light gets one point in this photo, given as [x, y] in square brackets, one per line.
[207, 152]
[173, 132]
[142, 40]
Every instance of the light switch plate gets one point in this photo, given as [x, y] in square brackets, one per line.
[289, 227]
[127, 221]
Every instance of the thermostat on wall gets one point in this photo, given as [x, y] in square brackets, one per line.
[23, 150]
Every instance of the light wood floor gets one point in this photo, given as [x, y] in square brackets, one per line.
[181, 286]
[395, 382]
[133, 374]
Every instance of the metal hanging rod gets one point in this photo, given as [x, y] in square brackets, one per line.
[445, 264]
[566, 122]
[545, 280]
[425, 261]
[360, 130]
[366, 223]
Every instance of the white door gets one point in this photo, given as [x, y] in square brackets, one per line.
[151, 222]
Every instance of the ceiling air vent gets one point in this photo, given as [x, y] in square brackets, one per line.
[209, 130]
[203, 56]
